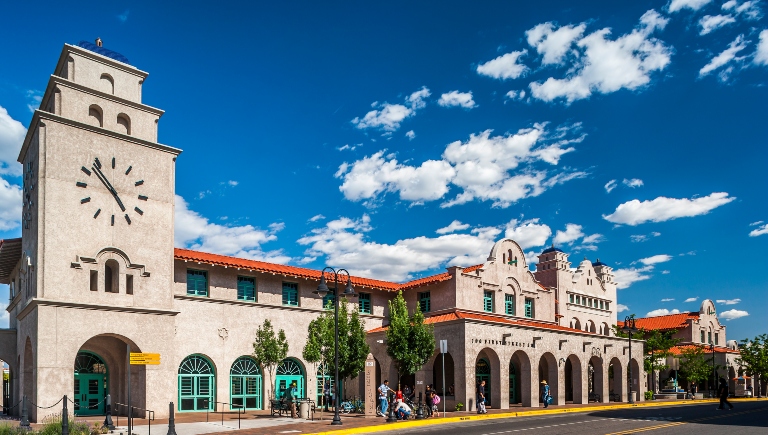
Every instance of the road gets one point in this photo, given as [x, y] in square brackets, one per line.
[704, 419]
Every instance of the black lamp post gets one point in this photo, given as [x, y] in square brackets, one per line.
[323, 290]
[629, 328]
[653, 376]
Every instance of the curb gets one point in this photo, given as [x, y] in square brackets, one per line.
[426, 422]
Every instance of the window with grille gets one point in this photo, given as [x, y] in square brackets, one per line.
[529, 308]
[291, 294]
[424, 303]
[246, 288]
[488, 302]
[364, 302]
[197, 283]
[328, 300]
[509, 304]
[702, 336]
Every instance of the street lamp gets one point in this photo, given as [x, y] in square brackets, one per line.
[321, 291]
[629, 328]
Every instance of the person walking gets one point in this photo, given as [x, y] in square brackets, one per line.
[545, 394]
[327, 394]
[292, 394]
[383, 394]
[722, 391]
[481, 398]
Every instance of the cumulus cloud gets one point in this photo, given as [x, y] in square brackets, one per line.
[628, 276]
[603, 65]
[504, 67]
[634, 182]
[12, 135]
[528, 234]
[349, 147]
[344, 243]
[574, 233]
[692, 299]
[710, 23]
[480, 167]
[761, 54]
[457, 99]
[637, 238]
[728, 301]
[609, 186]
[759, 231]
[516, 95]
[694, 5]
[388, 117]
[733, 314]
[656, 259]
[662, 312]
[194, 231]
[727, 56]
[553, 44]
[749, 9]
[410, 134]
[10, 205]
[316, 218]
[452, 228]
[620, 308]
[663, 209]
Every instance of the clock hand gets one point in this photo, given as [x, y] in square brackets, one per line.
[108, 185]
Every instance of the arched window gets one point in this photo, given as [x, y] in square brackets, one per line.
[111, 275]
[591, 327]
[245, 384]
[107, 84]
[90, 384]
[69, 73]
[95, 115]
[606, 330]
[124, 124]
[196, 384]
[575, 324]
[288, 371]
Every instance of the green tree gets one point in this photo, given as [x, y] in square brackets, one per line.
[657, 349]
[410, 342]
[269, 349]
[754, 358]
[694, 365]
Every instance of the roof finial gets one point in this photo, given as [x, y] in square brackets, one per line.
[98, 42]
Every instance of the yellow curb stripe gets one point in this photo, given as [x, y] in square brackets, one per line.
[447, 420]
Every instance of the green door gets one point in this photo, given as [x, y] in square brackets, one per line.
[483, 373]
[289, 371]
[512, 384]
[197, 384]
[90, 384]
[245, 384]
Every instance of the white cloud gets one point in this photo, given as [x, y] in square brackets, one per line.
[728, 301]
[388, 117]
[504, 66]
[410, 134]
[12, 135]
[668, 299]
[656, 259]
[695, 5]
[759, 231]
[604, 66]
[456, 98]
[232, 183]
[662, 312]
[553, 44]
[620, 308]
[761, 54]
[516, 95]
[636, 238]
[349, 147]
[727, 56]
[754, 224]
[480, 167]
[528, 234]
[35, 97]
[609, 186]
[10, 205]
[195, 231]
[665, 272]
[316, 218]
[572, 233]
[692, 299]
[663, 209]
[343, 242]
[453, 227]
[634, 182]
[733, 314]
[710, 23]
[749, 9]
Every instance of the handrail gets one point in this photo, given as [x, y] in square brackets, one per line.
[231, 405]
[150, 418]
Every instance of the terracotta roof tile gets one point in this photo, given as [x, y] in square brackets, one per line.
[445, 276]
[678, 350]
[472, 268]
[671, 321]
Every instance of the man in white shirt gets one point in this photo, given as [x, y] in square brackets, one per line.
[383, 392]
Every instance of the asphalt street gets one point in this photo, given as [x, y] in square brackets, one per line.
[703, 419]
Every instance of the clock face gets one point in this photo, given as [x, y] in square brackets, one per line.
[129, 203]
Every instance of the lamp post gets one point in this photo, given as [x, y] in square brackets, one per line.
[629, 328]
[321, 291]
[714, 373]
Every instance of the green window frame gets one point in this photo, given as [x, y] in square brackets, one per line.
[488, 301]
[424, 302]
[570, 298]
[291, 294]
[607, 306]
[716, 337]
[709, 337]
[329, 298]
[246, 288]
[702, 336]
[197, 282]
[529, 308]
[509, 304]
[364, 304]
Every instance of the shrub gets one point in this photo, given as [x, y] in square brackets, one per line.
[7, 429]
[459, 406]
[649, 395]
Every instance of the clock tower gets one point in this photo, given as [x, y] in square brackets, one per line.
[97, 229]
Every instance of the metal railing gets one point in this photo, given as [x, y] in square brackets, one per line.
[149, 415]
[240, 410]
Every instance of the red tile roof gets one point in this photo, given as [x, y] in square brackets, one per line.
[663, 323]
[471, 315]
[678, 350]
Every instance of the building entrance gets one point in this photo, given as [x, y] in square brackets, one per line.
[483, 373]
[289, 371]
[90, 384]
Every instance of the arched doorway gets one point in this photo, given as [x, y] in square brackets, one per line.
[483, 373]
[595, 379]
[512, 384]
[325, 373]
[288, 371]
[520, 365]
[616, 380]
[548, 372]
[634, 382]
[437, 374]
[245, 384]
[90, 384]
[197, 384]
[573, 380]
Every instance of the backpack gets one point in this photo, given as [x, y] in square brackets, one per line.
[436, 400]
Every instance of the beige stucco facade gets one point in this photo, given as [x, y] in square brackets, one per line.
[97, 275]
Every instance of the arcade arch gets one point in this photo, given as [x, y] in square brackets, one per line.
[548, 371]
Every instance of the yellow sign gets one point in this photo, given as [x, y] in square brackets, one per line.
[137, 358]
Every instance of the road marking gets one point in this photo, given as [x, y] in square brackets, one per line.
[662, 426]
[545, 427]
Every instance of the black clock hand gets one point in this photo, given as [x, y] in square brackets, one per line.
[108, 185]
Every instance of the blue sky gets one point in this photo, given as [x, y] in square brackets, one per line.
[396, 139]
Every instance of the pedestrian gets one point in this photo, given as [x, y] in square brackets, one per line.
[722, 391]
[435, 402]
[407, 393]
[545, 394]
[481, 398]
[327, 394]
[383, 393]
[430, 398]
[292, 394]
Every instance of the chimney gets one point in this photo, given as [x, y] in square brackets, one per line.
[98, 42]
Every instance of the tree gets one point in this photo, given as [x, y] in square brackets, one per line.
[269, 350]
[694, 365]
[410, 342]
[657, 346]
[754, 358]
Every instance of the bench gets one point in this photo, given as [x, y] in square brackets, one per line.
[278, 407]
[593, 397]
[615, 397]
